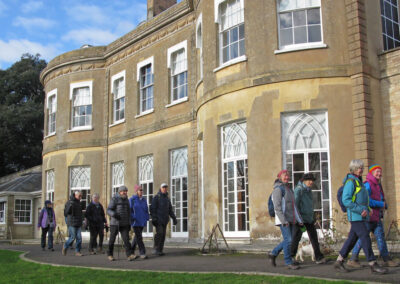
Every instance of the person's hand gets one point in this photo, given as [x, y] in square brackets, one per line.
[370, 213]
[301, 224]
[175, 222]
[364, 213]
[117, 216]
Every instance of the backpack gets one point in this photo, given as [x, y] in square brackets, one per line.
[340, 193]
[271, 208]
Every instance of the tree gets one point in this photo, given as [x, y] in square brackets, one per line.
[21, 114]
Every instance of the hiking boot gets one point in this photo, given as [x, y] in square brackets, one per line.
[132, 257]
[295, 262]
[78, 253]
[272, 259]
[354, 263]
[51, 249]
[161, 253]
[143, 256]
[293, 266]
[64, 251]
[339, 266]
[111, 258]
[390, 263]
[92, 252]
[375, 268]
[321, 261]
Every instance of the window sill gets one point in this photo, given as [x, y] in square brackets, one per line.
[48, 136]
[18, 223]
[177, 102]
[300, 47]
[144, 113]
[117, 123]
[231, 62]
[76, 129]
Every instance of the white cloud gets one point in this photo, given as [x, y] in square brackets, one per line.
[33, 23]
[91, 36]
[87, 14]
[31, 6]
[12, 50]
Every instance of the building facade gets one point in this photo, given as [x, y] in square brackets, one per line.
[215, 97]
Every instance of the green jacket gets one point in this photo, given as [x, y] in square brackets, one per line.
[304, 202]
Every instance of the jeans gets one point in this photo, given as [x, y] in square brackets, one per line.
[313, 236]
[358, 230]
[94, 232]
[377, 229]
[159, 238]
[46, 230]
[138, 240]
[74, 233]
[285, 244]
[124, 230]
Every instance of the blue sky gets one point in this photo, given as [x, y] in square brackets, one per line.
[52, 27]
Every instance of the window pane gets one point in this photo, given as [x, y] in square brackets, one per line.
[300, 35]
[313, 161]
[314, 34]
[285, 20]
[286, 37]
[317, 199]
[298, 162]
[313, 16]
[325, 190]
[299, 18]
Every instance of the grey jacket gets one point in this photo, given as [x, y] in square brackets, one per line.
[119, 207]
[285, 206]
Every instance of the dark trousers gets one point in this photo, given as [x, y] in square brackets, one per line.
[138, 240]
[48, 230]
[159, 238]
[358, 230]
[94, 232]
[312, 234]
[124, 230]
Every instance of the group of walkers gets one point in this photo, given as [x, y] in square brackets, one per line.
[124, 213]
[293, 209]
[364, 203]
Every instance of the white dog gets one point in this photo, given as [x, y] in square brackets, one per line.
[305, 249]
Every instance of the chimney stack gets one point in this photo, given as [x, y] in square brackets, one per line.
[155, 7]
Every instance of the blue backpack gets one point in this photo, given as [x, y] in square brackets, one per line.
[340, 193]
[271, 208]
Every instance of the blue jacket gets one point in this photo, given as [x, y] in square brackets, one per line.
[139, 211]
[354, 209]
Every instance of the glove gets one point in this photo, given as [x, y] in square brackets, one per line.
[154, 222]
[175, 222]
[117, 216]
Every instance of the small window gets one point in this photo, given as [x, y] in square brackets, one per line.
[50, 185]
[177, 62]
[2, 212]
[199, 44]
[81, 96]
[299, 23]
[23, 211]
[390, 24]
[146, 83]
[51, 112]
[118, 90]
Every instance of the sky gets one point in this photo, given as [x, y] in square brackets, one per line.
[52, 27]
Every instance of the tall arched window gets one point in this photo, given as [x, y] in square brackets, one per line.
[146, 181]
[235, 180]
[80, 180]
[50, 185]
[305, 144]
[118, 176]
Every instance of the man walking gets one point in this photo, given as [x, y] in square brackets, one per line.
[160, 211]
[119, 211]
[96, 220]
[73, 212]
[47, 221]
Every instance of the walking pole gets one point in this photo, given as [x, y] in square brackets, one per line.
[118, 240]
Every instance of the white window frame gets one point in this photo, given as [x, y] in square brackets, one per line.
[146, 178]
[3, 211]
[140, 65]
[81, 188]
[51, 111]
[170, 52]
[78, 85]
[385, 18]
[241, 156]
[114, 78]
[50, 180]
[199, 43]
[179, 176]
[30, 212]
[299, 46]
[217, 18]
[117, 177]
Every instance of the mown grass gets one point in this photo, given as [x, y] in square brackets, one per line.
[15, 270]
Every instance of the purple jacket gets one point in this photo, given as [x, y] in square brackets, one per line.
[42, 222]
[376, 197]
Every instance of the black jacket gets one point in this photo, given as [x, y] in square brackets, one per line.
[161, 209]
[95, 215]
[119, 207]
[73, 212]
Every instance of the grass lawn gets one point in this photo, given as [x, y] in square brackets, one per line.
[15, 270]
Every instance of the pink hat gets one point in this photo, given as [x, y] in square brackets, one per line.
[137, 187]
[281, 173]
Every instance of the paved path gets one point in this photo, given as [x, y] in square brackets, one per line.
[189, 260]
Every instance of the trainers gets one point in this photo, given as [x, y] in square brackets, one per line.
[293, 266]
[111, 258]
[321, 261]
[64, 251]
[295, 262]
[339, 266]
[143, 256]
[132, 257]
[272, 259]
[390, 263]
[78, 253]
[375, 268]
[353, 263]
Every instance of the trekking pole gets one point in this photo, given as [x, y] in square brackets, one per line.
[118, 240]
